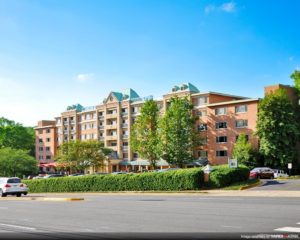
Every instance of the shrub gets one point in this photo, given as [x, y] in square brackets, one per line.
[223, 176]
[184, 179]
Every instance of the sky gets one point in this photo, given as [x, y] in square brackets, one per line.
[56, 53]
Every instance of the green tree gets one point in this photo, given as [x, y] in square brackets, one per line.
[144, 138]
[277, 129]
[296, 76]
[242, 150]
[16, 162]
[79, 155]
[178, 133]
[16, 136]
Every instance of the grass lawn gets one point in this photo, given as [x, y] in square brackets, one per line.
[239, 185]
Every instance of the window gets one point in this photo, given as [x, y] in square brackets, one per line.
[125, 155]
[47, 149]
[241, 123]
[202, 100]
[133, 120]
[202, 154]
[124, 110]
[221, 111]
[94, 115]
[48, 139]
[40, 131]
[237, 137]
[202, 113]
[125, 143]
[204, 141]
[221, 139]
[48, 157]
[135, 155]
[125, 132]
[134, 109]
[41, 157]
[100, 114]
[40, 140]
[222, 153]
[221, 125]
[41, 149]
[241, 109]
[113, 144]
[202, 127]
[72, 118]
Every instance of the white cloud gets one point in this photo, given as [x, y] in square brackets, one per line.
[228, 7]
[209, 9]
[84, 77]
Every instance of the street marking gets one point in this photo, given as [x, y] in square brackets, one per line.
[20, 227]
[288, 229]
[230, 226]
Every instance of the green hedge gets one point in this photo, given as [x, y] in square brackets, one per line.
[223, 176]
[185, 179]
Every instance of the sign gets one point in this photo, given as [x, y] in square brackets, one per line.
[290, 166]
[232, 163]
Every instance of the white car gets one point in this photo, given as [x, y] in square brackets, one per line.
[12, 186]
[279, 173]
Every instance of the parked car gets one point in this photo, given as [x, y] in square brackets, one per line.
[12, 186]
[54, 175]
[76, 174]
[279, 173]
[119, 173]
[262, 172]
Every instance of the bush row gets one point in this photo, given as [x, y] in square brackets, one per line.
[223, 176]
[185, 179]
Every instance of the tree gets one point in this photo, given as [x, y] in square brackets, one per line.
[16, 162]
[16, 136]
[277, 129]
[144, 138]
[178, 134]
[296, 76]
[79, 155]
[242, 150]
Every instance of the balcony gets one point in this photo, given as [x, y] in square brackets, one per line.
[66, 131]
[125, 125]
[101, 127]
[101, 117]
[73, 131]
[72, 121]
[66, 122]
[113, 115]
[125, 148]
[109, 138]
[114, 148]
[114, 126]
[101, 138]
[125, 137]
[124, 113]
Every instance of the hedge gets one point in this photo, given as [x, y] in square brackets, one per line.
[223, 176]
[176, 180]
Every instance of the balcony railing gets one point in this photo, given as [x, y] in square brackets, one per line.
[101, 127]
[101, 138]
[114, 126]
[115, 137]
[112, 115]
[125, 125]
[125, 136]
[125, 148]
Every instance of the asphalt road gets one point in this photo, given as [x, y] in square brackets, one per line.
[152, 214]
[275, 185]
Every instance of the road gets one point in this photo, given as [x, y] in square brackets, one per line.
[152, 213]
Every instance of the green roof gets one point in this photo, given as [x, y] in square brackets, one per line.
[128, 94]
[185, 87]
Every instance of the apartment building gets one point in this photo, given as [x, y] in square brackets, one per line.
[221, 118]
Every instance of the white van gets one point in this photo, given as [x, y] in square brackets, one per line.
[279, 173]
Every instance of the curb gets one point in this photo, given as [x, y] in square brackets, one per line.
[251, 185]
[57, 199]
[43, 199]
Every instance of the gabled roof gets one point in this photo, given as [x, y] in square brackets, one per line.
[128, 94]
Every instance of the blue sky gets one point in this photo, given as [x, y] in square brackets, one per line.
[54, 53]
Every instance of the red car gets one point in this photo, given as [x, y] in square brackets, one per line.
[263, 172]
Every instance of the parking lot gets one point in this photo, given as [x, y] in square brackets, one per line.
[275, 185]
